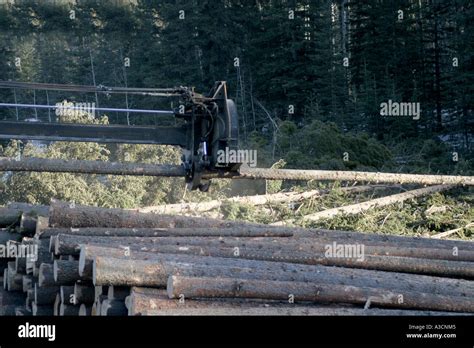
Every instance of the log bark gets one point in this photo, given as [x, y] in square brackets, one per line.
[69, 215]
[375, 177]
[14, 281]
[66, 272]
[11, 298]
[27, 282]
[30, 209]
[112, 308]
[85, 310]
[166, 232]
[6, 236]
[206, 287]
[57, 303]
[84, 294]
[27, 225]
[118, 293]
[154, 273]
[67, 295]
[46, 275]
[68, 310]
[45, 295]
[42, 310]
[9, 217]
[374, 203]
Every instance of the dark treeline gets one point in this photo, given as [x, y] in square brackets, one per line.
[288, 63]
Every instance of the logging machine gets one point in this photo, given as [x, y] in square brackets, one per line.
[205, 125]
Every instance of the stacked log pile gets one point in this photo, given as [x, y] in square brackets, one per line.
[113, 262]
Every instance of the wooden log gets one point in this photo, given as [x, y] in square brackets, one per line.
[118, 293]
[154, 273]
[42, 223]
[57, 303]
[206, 287]
[30, 297]
[9, 217]
[67, 295]
[84, 293]
[112, 308]
[27, 282]
[42, 310]
[99, 291]
[376, 177]
[6, 235]
[46, 275]
[166, 232]
[68, 215]
[150, 301]
[22, 312]
[27, 225]
[20, 264]
[374, 203]
[11, 298]
[45, 295]
[8, 310]
[318, 255]
[44, 255]
[256, 200]
[89, 167]
[14, 281]
[85, 310]
[66, 272]
[30, 209]
[68, 310]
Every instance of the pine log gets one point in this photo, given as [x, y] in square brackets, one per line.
[68, 310]
[113, 308]
[57, 303]
[84, 293]
[118, 292]
[166, 232]
[85, 310]
[27, 282]
[154, 273]
[89, 167]
[46, 275]
[22, 312]
[333, 175]
[30, 209]
[11, 298]
[69, 215]
[206, 287]
[14, 281]
[27, 225]
[66, 272]
[42, 310]
[45, 295]
[9, 217]
[67, 295]
[8, 310]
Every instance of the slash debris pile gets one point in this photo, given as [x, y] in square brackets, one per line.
[96, 261]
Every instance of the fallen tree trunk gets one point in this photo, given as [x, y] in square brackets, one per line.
[282, 197]
[335, 175]
[68, 215]
[205, 287]
[374, 203]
